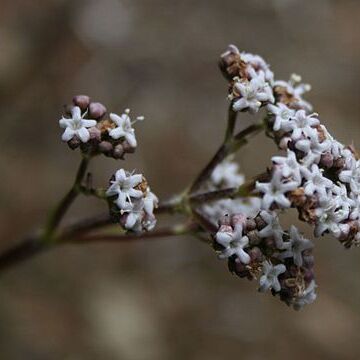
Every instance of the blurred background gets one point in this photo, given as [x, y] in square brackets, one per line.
[171, 299]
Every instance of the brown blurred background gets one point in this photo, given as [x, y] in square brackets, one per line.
[171, 299]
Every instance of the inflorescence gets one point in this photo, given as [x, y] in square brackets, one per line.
[88, 127]
[316, 175]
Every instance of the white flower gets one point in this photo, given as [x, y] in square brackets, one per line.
[329, 217]
[227, 174]
[275, 190]
[151, 201]
[307, 297]
[316, 182]
[335, 148]
[135, 214]
[272, 228]
[312, 148]
[296, 89]
[258, 62]
[234, 244]
[288, 166]
[342, 199]
[224, 235]
[283, 116]
[123, 187]
[352, 176]
[269, 279]
[124, 127]
[252, 94]
[298, 244]
[302, 124]
[76, 126]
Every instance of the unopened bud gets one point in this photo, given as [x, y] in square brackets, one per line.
[95, 134]
[96, 110]
[82, 101]
[118, 152]
[127, 147]
[105, 147]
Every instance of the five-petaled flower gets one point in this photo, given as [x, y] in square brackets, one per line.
[298, 244]
[283, 116]
[269, 279]
[124, 188]
[124, 127]
[272, 228]
[234, 244]
[76, 126]
[274, 191]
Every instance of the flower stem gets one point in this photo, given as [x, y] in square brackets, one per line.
[232, 115]
[243, 191]
[176, 230]
[227, 148]
[59, 212]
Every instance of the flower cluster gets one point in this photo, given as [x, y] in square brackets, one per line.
[86, 125]
[250, 80]
[131, 201]
[319, 175]
[227, 175]
[258, 248]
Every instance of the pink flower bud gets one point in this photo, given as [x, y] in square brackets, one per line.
[96, 110]
[82, 101]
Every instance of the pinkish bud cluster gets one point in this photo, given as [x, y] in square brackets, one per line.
[87, 126]
[258, 248]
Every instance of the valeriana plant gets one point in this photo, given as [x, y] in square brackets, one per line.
[316, 174]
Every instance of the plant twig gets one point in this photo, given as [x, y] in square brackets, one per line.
[176, 230]
[244, 190]
[65, 203]
[226, 149]
[33, 245]
[232, 115]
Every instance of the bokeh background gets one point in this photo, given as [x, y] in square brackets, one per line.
[171, 298]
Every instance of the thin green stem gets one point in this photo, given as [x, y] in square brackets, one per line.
[232, 115]
[59, 212]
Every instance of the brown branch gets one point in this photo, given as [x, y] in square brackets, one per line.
[245, 190]
[159, 233]
[34, 245]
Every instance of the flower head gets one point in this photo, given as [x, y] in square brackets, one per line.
[298, 244]
[288, 166]
[234, 243]
[283, 116]
[227, 174]
[316, 182]
[252, 93]
[272, 228]
[269, 279]
[76, 126]
[274, 191]
[303, 124]
[124, 127]
[123, 186]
